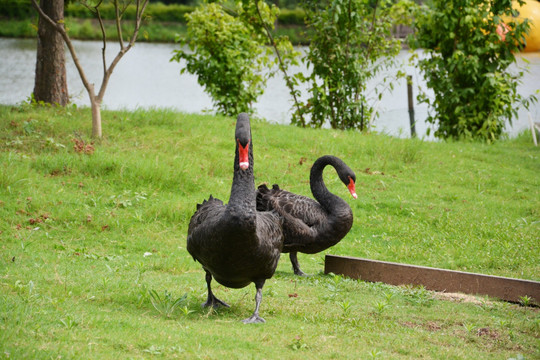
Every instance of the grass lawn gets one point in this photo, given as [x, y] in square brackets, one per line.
[93, 258]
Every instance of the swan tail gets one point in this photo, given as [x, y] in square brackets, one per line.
[264, 197]
[210, 200]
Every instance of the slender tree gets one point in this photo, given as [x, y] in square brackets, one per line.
[96, 99]
[51, 81]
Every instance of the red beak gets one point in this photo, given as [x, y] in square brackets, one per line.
[243, 153]
[352, 188]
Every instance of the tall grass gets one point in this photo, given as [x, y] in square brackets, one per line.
[86, 238]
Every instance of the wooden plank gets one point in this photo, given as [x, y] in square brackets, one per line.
[508, 289]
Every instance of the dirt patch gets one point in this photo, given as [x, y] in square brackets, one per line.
[487, 332]
[429, 326]
[459, 297]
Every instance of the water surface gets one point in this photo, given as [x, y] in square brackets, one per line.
[145, 78]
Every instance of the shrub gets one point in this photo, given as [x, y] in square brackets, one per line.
[16, 9]
[292, 17]
[351, 43]
[467, 67]
[154, 11]
[227, 55]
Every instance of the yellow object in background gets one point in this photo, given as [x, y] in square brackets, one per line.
[530, 10]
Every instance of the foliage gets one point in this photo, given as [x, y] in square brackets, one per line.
[351, 44]
[16, 9]
[467, 67]
[157, 11]
[289, 17]
[154, 11]
[227, 55]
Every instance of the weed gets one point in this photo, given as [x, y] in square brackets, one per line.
[374, 354]
[165, 305]
[126, 199]
[418, 295]
[345, 307]
[525, 300]
[469, 328]
[298, 344]
[185, 311]
[69, 322]
[333, 285]
[29, 127]
[154, 350]
[26, 292]
[380, 307]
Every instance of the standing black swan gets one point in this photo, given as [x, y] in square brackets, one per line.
[235, 244]
[311, 226]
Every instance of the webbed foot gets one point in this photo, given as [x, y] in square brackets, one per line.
[214, 302]
[254, 319]
[299, 272]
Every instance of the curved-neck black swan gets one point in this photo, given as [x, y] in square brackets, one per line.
[311, 226]
[235, 244]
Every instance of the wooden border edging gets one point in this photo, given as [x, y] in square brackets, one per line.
[508, 289]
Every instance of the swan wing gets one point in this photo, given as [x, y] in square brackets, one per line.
[203, 225]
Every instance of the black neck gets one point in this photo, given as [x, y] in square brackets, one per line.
[243, 185]
[330, 202]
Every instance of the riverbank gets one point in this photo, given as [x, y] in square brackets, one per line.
[158, 84]
[151, 31]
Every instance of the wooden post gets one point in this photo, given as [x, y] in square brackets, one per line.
[533, 129]
[411, 106]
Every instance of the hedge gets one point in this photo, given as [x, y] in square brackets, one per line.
[22, 9]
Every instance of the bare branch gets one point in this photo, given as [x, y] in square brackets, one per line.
[103, 36]
[123, 49]
[118, 16]
[138, 21]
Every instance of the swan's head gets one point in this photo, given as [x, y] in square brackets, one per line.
[243, 140]
[352, 187]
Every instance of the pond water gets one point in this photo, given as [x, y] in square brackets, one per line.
[145, 78]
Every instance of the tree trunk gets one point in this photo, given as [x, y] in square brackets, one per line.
[51, 81]
[96, 118]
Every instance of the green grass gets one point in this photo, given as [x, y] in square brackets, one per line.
[93, 261]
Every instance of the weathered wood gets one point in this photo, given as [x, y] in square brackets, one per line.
[508, 289]
[411, 105]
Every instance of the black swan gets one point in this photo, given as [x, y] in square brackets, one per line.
[311, 226]
[235, 244]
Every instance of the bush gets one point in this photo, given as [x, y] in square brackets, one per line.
[292, 17]
[227, 55]
[154, 11]
[16, 9]
[467, 67]
[351, 42]
[173, 13]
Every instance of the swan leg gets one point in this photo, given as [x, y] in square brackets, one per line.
[212, 300]
[296, 266]
[255, 318]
